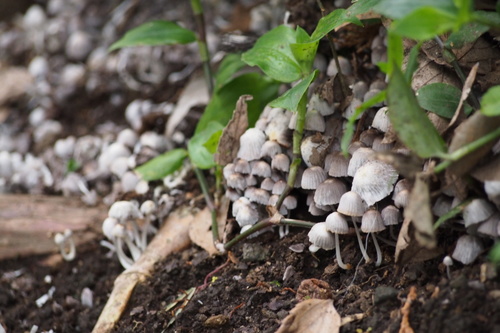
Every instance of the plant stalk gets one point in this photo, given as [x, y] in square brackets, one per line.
[210, 204]
[202, 43]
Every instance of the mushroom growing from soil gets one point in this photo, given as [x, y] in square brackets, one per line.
[66, 244]
[320, 238]
[372, 222]
[374, 181]
[337, 224]
[467, 249]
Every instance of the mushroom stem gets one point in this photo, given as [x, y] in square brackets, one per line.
[125, 261]
[377, 248]
[66, 245]
[337, 253]
[360, 241]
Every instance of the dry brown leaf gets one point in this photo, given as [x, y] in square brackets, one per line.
[430, 72]
[465, 93]
[200, 229]
[489, 171]
[312, 316]
[28, 223]
[172, 237]
[419, 212]
[195, 93]
[468, 131]
[229, 142]
[405, 311]
[408, 249]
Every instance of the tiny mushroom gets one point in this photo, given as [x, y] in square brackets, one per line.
[337, 224]
[374, 181]
[312, 177]
[320, 238]
[372, 222]
[467, 249]
[251, 143]
[66, 244]
[148, 209]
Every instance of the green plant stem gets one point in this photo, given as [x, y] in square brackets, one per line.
[202, 43]
[467, 149]
[298, 133]
[334, 53]
[267, 222]
[210, 204]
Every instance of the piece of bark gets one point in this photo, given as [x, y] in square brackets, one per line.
[28, 223]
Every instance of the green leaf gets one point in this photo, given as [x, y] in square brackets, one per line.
[409, 120]
[397, 9]
[155, 33]
[198, 153]
[425, 23]
[490, 104]
[332, 21]
[304, 52]
[290, 99]
[213, 142]
[349, 130]
[440, 98]
[361, 7]
[231, 64]
[468, 33]
[494, 254]
[162, 165]
[412, 64]
[221, 106]
[273, 55]
[491, 19]
[394, 53]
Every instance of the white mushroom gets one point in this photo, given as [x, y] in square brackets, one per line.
[374, 181]
[66, 244]
[320, 238]
[467, 249]
[337, 224]
[251, 143]
[372, 222]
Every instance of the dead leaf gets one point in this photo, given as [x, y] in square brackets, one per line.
[419, 212]
[200, 229]
[489, 171]
[195, 93]
[172, 237]
[405, 311]
[465, 93]
[28, 223]
[312, 316]
[409, 250]
[430, 72]
[229, 142]
[468, 131]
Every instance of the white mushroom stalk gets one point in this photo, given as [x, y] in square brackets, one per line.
[125, 211]
[120, 235]
[66, 244]
[148, 208]
[337, 224]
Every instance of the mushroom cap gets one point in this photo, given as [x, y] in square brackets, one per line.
[273, 199]
[337, 164]
[242, 166]
[148, 207]
[314, 121]
[336, 223]
[313, 149]
[251, 143]
[374, 181]
[467, 249]
[124, 210]
[277, 127]
[232, 194]
[321, 237]
[279, 187]
[442, 205]
[381, 120]
[372, 221]
[351, 204]
[380, 145]
[239, 203]
[476, 211]
[490, 227]
[316, 211]
[257, 195]
[401, 199]
[270, 149]
[236, 181]
[318, 103]
[391, 215]
[247, 215]
[228, 170]
[329, 192]
[107, 227]
[251, 180]
[312, 177]
[261, 169]
[290, 202]
[280, 162]
[359, 158]
[267, 184]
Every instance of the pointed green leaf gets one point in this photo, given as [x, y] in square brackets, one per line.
[332, 21]
[410, 121]
[155, 33]
[440, 98]
[273, 55]
[490, 104]
[468, 33]
[221, 106]
[198, 153]
[231, 64]
[290, 99]
[162, 165]
[213, 142]
[425, 23]
[397, 9]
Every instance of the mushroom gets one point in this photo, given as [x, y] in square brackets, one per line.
[329, 192]
[66, 244]
[257, 195]
[242, 166]
[270, 149]
[120, 235]
[337, 164]
[359, 158]
[337, 224]
[467, 249]
[372, 222]
[312, 177]
[448, 262]
[251, 143]
[476, 211]
[320, 238]
[260, 169]
[125, 211]
[148, 209]
[352, 205]
[391, 217]
[280, 162]
[374, 181]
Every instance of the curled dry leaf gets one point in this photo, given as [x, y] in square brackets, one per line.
[199, 230]
[419, 212]
[229, 142]
[172, 237]
[408, 249]
[465, 93]
[312, 316]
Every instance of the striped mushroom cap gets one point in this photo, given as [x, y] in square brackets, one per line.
[312, 177]
[329, 192]
[351, 204]
[372, 221]
[251, 143]
[374, 181]
[320, 237]
[337, 223]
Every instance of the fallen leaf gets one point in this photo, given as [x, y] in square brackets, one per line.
[200, 228]
[229, 142]
[419, 212]
[172, 237]
[459, 114]
[489, 171]
[312, 316]
[409, 250]
[430, 72]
